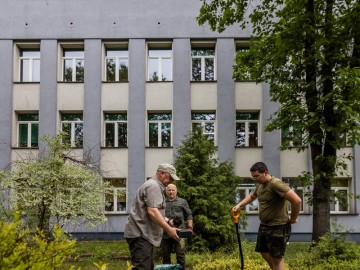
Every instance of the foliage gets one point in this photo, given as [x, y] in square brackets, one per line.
[309, 54]
[333, 251]
[20, 251]
[55, 185]
[209, 187]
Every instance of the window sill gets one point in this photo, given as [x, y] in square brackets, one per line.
[159, 147]
[115, 82]
[119, 147]
[159, 81]
[214, 81]
[116, 213]
[27, 82]
[247, 147]
[25, 148]
[69, 82]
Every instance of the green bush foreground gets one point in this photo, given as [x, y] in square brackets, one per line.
[21, 250]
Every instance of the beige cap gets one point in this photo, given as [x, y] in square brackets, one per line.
[170, 169]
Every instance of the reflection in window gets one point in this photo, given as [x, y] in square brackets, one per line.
[115, 129]
[206, 121]
[117, 65]
[30, 66]
[28, 130]
[301, 191]
[73, 61]
[245, 189]
[340, 191]
[159, 65]
[115, 196]
[159, 129]
[203, 64]
[247, 129]
[245, 75]
[291, 137]
[72, 125]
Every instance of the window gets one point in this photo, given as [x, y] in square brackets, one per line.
[291, 137]
[159, 129]
[245, 189]
[301, 191]
[115, 197]
[247, 129]
[340, 196]
[73, 63]
[115, 130]
[207, 122]
[116, 64]
[72, 125]
[159, 62]
[29, 65]
[28, 130]
[203, 62]
[242, 49]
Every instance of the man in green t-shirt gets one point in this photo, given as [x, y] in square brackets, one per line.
[275, 222]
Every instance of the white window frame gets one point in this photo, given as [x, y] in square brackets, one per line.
[115, 191]
[249, 188]
[337, 204]
[159, 46]
[118, 59]
[202, 46]
[68, 47]
[72, 130]
[159, 124]
[203, 124]
[116, 130]
[247, 132]
[29, 129]
[31, 65]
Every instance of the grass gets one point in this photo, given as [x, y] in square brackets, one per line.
[116, 254]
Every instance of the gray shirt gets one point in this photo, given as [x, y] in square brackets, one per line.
[139, 223]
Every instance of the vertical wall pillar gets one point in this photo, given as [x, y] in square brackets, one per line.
[6, 101]
[92, 99]
[225, 114]
[271, 140]
[181, 91]
[136, 116]
[48, 90]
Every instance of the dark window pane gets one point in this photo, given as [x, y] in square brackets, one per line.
[166, 134]
[110, 70]
[34, 135]
[78, 134]
[122, 139]
[209, 69]
[110, 134]
[23, 135]
[240, 134]
[247, 116]
[196, 69]
[253, 134]
[153, 134]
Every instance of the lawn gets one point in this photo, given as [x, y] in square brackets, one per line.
[116, 254]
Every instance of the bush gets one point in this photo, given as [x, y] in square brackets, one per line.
[20, 250]
[332, 252]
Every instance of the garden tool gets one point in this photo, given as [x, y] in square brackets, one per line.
[235, 215]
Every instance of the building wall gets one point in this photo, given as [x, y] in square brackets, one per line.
[91, 24]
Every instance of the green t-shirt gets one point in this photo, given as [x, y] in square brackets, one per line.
[272, 204]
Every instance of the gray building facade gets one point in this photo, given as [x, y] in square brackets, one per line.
[128, 80]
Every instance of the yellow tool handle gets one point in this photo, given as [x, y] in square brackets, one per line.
[235, 215]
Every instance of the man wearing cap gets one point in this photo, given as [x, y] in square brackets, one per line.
[146, 221]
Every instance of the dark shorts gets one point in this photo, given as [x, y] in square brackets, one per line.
[273, 239]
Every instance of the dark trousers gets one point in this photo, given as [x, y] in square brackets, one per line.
[168, 245]
[141, 252]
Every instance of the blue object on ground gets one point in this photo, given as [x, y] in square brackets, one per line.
[168, 267]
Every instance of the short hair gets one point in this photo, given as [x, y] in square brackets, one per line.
[259, 167]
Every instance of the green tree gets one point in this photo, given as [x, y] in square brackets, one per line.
[209, 187]
[54, 188]
[309, 53]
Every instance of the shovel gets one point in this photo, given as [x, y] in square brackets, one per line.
[235, 215]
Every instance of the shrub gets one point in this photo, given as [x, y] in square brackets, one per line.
[19, 250]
